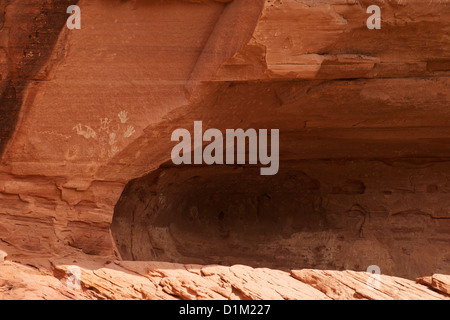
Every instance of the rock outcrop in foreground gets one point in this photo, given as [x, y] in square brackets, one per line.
[103, 278]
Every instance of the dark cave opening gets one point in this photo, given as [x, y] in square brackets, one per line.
[324, 214]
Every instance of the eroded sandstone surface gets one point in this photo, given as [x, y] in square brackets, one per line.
[87, 116]
[106, 278]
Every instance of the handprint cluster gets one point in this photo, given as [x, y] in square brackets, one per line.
[109, 134]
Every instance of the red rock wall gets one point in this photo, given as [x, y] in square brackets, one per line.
[86, 111]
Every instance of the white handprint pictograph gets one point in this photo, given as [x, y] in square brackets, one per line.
[112, 138]
[109, 136]
[88, 133]
[129, 132]
[113, 151]
[123, 116]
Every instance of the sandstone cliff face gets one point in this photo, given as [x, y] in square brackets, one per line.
[87, 115]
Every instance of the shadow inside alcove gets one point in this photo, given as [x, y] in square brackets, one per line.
[312, 214]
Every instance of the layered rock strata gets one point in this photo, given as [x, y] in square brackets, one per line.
[87, 115]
